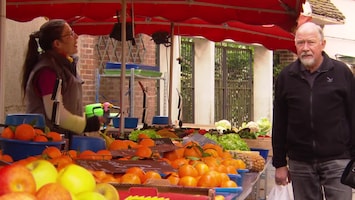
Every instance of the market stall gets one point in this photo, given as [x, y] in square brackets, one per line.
[170, 156]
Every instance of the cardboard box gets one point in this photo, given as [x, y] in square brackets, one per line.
[260, 143]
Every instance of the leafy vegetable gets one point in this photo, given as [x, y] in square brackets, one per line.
[149, 132]
[264, 124]
[229, 141]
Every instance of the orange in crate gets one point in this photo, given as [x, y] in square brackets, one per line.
[52, 152]
[8, 133]
[25, 132]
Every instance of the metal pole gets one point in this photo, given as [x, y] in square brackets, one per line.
[123, 65]
[171, 74]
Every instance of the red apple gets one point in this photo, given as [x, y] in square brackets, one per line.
[16, 178]
[53, 191]
[18, 196]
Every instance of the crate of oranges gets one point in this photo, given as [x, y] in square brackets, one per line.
[23, 138]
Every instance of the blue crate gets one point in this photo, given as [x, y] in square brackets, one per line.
[263, 152]
[25, 118]
[117, 65]
[229, 193]
[19, 149]
[236, 178]
[129, 122]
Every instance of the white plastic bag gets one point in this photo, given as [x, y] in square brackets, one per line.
[281, 192]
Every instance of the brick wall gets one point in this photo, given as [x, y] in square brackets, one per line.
[285, 57]
[110, 86]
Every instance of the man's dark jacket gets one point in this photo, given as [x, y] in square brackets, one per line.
[314, 123]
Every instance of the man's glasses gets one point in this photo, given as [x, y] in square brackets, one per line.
[72, 33]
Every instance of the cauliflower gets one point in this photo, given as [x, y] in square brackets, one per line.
[223, 125]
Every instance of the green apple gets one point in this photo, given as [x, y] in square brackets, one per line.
[16, 178]
[108, 190]
[43, 172]
[76, 179]
[90, 195]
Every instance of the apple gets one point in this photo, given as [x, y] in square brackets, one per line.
[90, 195]
[76, 179]
[108, 190]
[18, 196]
[43, 171]
[16, 178]
[53, 191]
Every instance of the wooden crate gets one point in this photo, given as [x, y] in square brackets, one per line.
[263, 143]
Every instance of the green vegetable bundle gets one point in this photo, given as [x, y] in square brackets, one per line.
[151, 133]
[230, 141]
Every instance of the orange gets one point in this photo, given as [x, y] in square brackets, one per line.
[228, 184]
[202, 168]
[136, 170]
[87, 154]
[151, 175]
[52, 152]
[216, 176]
[39, 131]
[40, 138]
[188, 181]
[130, 179]
[179, 162]
[8, 133]
[173, 178]
[221, 168]
[224, 177]
[26, 160]
[122, 144]
[54, 136]
[7, 158]
[207, 180]
[187, 170]
[240, 164]
[143, 152]
[173, 155]
[215, 147]
[109, 178]
[104, 154]
[210, 161]
[193, 149]
[61, 161]
[147, 142]
[211, 152]
[231, 169]
[24, 132]
[142, 135]
[72, 153]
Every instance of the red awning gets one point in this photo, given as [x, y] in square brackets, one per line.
[267, 22]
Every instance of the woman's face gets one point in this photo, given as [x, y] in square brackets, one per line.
[68, 42]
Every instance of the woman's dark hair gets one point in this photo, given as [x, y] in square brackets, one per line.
[49, 32]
